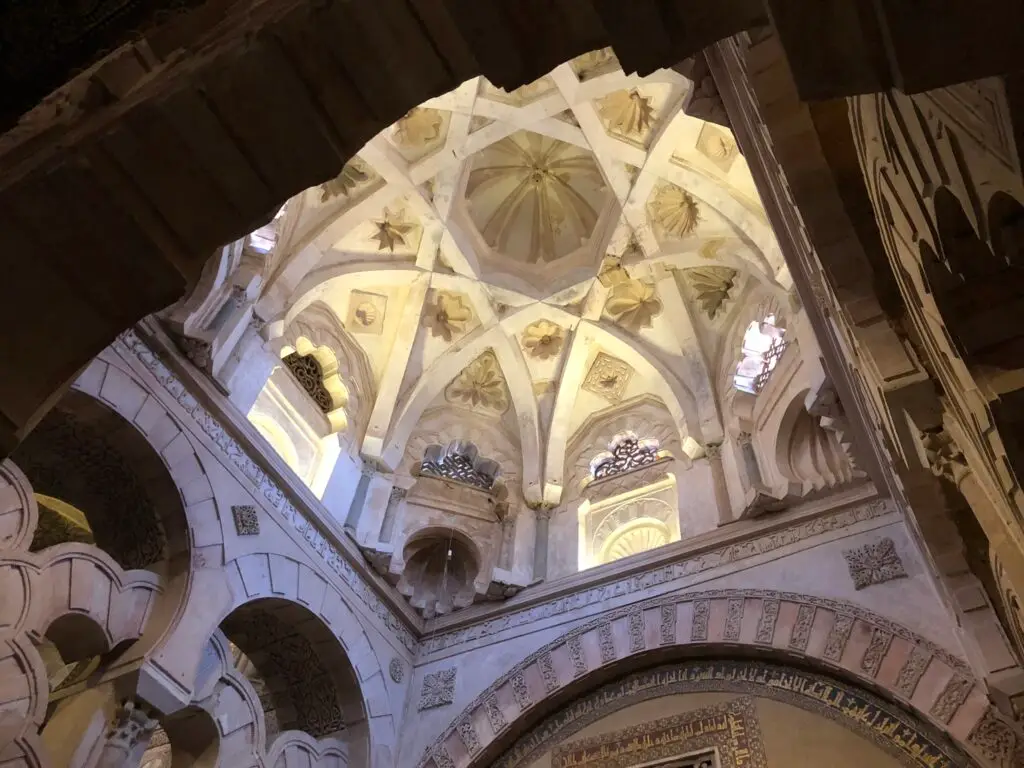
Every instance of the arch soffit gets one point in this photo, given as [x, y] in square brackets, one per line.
[309, 591]
[836, 637]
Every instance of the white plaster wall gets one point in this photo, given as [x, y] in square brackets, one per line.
[822, 571]
[341, 487]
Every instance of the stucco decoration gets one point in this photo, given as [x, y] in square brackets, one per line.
[460, 461]
[674, 211]
[307, 371]
[366, 312]
[633, 304]
[247, 521]
[396, 670]
[354, 177]
[874, 563]
[444, 427]
[730, 728]
[627, 113]
[626, 452]
[418, 127]
[392, 230]
[590, 65]
[481, 384]
[608, 377]
[348, 373]
[543, 339]
[438, 689]
[534, 198]
[447, 315]
[711, 287]
[637, 539]
[717, 146]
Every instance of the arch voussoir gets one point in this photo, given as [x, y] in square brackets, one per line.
[833, 636]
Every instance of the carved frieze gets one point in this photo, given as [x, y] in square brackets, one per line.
[838, 637]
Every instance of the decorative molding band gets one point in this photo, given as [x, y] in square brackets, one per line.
[911, 742]
[819, 629]
[683, 568]
[268, 488]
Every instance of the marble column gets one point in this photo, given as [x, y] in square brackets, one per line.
[127, 737]
[355, 509]
[713, 452]
[540, 550]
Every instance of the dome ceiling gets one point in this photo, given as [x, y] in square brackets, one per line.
[534, 198]
[533, 260]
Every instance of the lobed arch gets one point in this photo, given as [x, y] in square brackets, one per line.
[347, 372]
[915, 172]
[110, 381]
[492, 439]
[646, 415]
[73, 595]
[831, 637]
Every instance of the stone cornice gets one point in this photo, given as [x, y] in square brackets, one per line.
[666, 566]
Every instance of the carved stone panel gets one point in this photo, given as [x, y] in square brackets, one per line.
[874, 564]
[247, 521]
[438, 689]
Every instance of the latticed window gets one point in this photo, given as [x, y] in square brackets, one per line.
[307, 371]
[461, 462]
[626, 452]
[763, 345]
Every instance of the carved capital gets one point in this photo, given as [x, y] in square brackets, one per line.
[130, 726]
[237, 297]
[744, 438]
[713, 451]
[945, 459]
[196, 350]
